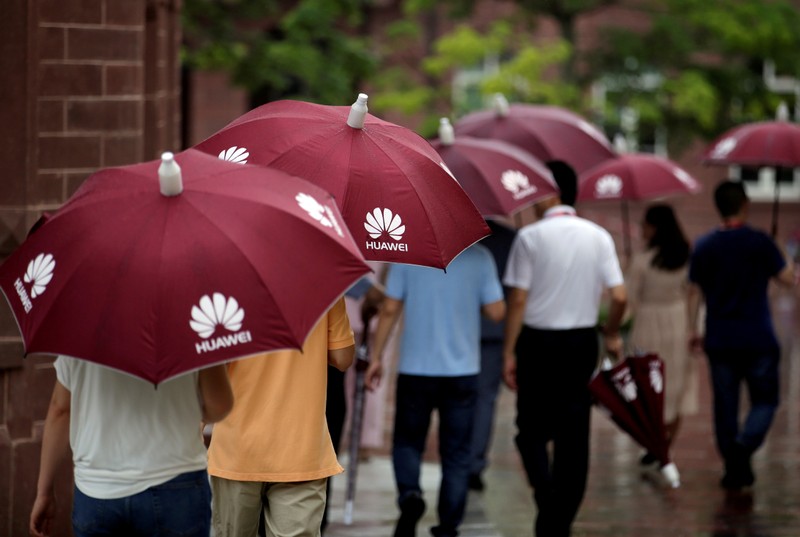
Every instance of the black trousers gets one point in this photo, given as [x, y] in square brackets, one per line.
[335, 412]
[554, 405]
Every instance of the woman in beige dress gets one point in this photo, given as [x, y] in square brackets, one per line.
[656, 280]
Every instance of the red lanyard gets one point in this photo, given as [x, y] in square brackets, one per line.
[563, 212]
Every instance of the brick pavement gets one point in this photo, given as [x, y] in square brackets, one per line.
[619, 503]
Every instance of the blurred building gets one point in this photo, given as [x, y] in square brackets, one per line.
[95, 83]
[87, 84]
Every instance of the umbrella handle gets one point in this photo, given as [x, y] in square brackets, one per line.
[775, 204]
[362, 358]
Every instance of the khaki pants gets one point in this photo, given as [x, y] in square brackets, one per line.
[290, 509]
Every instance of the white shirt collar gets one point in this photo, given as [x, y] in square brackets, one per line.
[560, 210]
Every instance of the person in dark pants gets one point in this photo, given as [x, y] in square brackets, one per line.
[731, 268]
[491, 375]
[558, 270]
[438, 370]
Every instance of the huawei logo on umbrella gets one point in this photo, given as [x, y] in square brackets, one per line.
[38, 274]
[625, 385]
[517, 183]
[656, 378]
[216, 311]
[724, 147]
[314, 208]
[608, 186]
[685, 178]
[239, 155]
[380, 221]
[319, 212]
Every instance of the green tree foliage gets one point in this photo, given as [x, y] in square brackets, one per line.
[566, 14]
[312, 49]
[707, 57]
[522, 71]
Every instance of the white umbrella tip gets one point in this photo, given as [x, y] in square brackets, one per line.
[671, 475]
[782, 113]
[446, 133]
[500, 104]
[169, 175]
[620, 144]
[358, 112]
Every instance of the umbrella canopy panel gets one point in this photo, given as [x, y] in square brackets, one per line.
[396, 195]
[635, 177]
[764, 143]
[244, 260]
[547, 132]
[499, 177]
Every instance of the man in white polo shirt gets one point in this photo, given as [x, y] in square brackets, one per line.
[558, 270]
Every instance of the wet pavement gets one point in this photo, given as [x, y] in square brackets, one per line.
[619, 502]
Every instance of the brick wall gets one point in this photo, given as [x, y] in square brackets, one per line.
[211, 103]
[87, 84]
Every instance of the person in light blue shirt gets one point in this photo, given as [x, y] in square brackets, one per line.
[438, 370]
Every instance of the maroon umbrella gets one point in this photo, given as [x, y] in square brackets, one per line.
[395, 194]
[630, 392]
[762, 143]
[499, 177]
[647, 371]
[161, 268]
[759, 144]
[547, 132]
[634, 177]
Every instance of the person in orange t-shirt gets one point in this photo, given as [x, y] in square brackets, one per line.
[275, 442]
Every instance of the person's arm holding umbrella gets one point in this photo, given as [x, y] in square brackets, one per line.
[786, 277]
[55, 450]
[517, 298]
[214, 390]
[693, 301]
[613, 339]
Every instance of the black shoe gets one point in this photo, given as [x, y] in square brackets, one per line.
[411, 510]
[648, 459]
[738, 470]
[476, 483]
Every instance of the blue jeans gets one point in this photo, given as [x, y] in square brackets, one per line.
[181, 506]
[454, 398]
[488, 387]
[759, 371]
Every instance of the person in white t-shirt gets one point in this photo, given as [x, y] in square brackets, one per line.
[138, 452]
[557, 272]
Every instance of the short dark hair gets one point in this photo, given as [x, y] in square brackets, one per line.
[566, 179]
[730, 197]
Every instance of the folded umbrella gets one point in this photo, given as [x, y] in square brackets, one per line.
[630, 392]
[356, 422]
